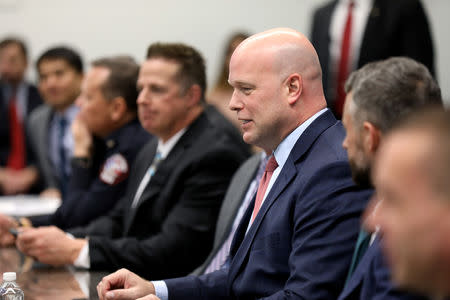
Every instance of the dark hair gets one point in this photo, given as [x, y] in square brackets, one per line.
[15, 41]
[385, 91]
[70, 56]
[122, 78]
[222, 80]
[192, 66]
[434, 122]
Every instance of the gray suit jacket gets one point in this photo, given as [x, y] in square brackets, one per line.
[38, 128]
[233, 199]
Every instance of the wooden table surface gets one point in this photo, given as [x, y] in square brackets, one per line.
[42, 282]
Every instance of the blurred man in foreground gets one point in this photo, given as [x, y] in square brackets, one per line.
[411, 176]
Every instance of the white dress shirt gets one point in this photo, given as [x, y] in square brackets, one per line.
[361, 11]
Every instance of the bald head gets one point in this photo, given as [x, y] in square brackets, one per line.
[291, 51]
[286, 51]
[282, 63]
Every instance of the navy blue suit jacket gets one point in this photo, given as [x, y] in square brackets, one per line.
[372, 279]
[88, 196]
[301, 242]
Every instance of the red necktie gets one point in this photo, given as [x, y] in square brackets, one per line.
[344, 62]
[16, 159]
[270, 167]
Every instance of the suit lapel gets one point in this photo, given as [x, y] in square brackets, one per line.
[357, 278]
[159, 181]
[44, 135]
[287, 174]
[236, 195]
[150, 154]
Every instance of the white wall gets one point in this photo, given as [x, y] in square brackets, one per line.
[106, 27]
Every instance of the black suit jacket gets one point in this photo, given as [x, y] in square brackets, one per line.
[172, 229]
[33, 100]
[394, 28]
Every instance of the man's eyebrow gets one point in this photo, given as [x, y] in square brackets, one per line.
[241, 83]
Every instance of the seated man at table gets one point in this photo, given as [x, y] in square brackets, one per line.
[60, 72]
[107, 138]
[167, 217]
[296, 238]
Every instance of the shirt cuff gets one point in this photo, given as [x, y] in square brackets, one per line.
[83, 259]
[161, 290]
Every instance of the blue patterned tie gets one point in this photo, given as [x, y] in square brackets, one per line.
[144, 182]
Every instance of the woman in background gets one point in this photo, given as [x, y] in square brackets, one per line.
[220, 94]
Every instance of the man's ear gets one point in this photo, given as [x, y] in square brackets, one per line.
[194, 94]
[294, 86]
[372, 138]
[118, 108]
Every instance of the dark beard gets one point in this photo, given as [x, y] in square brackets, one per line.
[361, 176]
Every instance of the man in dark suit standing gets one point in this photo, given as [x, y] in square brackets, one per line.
[379, 95]
[347, 34]
[295, 240]
[18, 99]
[164, 225]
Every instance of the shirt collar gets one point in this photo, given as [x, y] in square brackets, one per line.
[69, 114]
[284, 148]
[165, 148]
[355, 2]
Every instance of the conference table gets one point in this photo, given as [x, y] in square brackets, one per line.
[39, 281]
[43, 282]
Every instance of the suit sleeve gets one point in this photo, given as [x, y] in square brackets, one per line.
[109, 226]
[325, 230]
[185, 235]
[208, 286]
[88, 197]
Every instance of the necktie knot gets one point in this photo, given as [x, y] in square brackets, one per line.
[271, 164]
